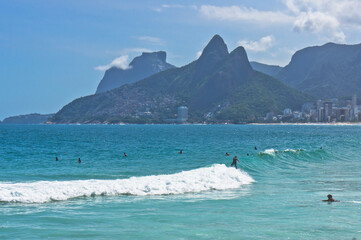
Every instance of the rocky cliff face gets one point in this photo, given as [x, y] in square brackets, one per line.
[141, 67]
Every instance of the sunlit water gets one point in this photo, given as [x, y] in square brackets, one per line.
[156, 193]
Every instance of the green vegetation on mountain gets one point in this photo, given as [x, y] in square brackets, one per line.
[331, 70]
[218, 87]
[34, 118]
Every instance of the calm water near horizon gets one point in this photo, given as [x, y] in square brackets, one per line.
[156, 193]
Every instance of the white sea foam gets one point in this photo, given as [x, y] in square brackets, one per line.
[269, 151]
[358, 202]
[273, 152]
[216, 177]
[291, 150]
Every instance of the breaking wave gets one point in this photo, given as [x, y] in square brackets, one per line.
[273, 152]
[216, 177]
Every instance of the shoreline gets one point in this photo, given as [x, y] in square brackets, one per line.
[275, 124]
[312, 124]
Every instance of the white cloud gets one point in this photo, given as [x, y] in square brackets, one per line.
[172, 6]
[176, 6]
[317, 22]
[328, 17]
[151, 40]
[236, 13]
[119, 62]
[198, 54]
[258, 46]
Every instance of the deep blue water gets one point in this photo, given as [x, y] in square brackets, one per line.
[276, 195]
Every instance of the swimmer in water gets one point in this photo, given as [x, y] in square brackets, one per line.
[235, 159]
[227, 154]
[255, 147]
[79, 161]
[56, 159]
[180, 152]
[330, 199]
[247, 154]
[125, 154]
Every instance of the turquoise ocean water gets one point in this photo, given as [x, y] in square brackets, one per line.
[156, 193]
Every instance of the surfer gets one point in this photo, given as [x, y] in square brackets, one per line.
[56, 159]
[125, 154]
[180, 152]
[235, 159]
[227, 154]
[79, 161]
[330, 199]
[255, 147]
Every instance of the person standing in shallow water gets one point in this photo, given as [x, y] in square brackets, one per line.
[79, 161]
[235, 159]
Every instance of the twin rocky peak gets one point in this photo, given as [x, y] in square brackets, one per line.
[151, 63]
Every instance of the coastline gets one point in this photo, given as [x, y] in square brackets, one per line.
[312, 124]
[287, 124]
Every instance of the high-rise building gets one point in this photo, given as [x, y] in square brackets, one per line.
[182, 114]
[327, 106]
[354, 108]
[354, 100]
[320, 114]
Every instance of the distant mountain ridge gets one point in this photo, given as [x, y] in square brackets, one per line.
[271, 70]
[330, 70]
[218, 87]
[33, 118]
[141, 67]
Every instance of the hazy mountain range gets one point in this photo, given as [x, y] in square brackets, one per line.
[33, 118]
[271, 70]
[218, 87]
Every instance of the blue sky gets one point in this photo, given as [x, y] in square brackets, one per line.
[55, 51]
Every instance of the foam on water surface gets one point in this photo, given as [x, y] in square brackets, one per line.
[216, 177]
[273, 152]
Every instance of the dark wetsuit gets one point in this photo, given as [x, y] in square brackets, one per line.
[234, 162]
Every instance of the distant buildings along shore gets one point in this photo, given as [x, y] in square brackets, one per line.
[332, 110]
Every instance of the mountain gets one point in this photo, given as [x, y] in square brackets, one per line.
[141, 67]
[271, 70]
[331, 70]
[34, 118]
[218, 87]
